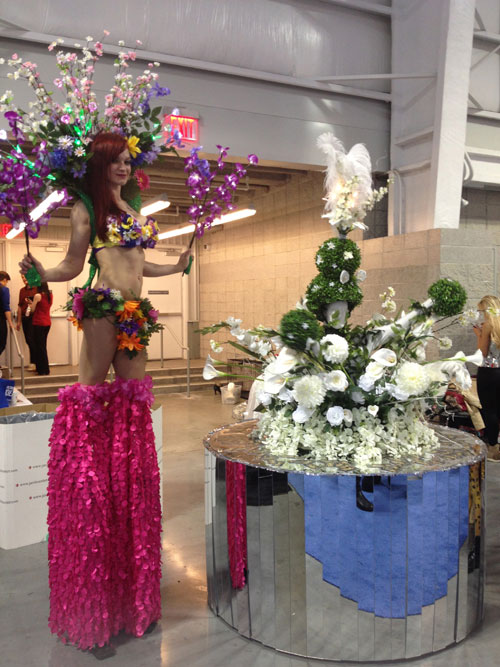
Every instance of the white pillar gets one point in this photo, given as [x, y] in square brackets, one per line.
[429, 116]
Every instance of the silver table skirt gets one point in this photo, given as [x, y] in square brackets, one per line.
[319, 559]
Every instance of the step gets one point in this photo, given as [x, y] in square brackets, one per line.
[51, 397]
[64, 379]
[44, 384]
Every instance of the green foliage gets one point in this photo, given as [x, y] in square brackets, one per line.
[449, 297]
[297, 326]
[322, 291]
[331, 257]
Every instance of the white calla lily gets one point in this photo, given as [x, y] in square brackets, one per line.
[273, 383]
[209, 371]
[385, 357]
[284, 362]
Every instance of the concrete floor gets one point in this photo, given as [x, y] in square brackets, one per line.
[189, 635]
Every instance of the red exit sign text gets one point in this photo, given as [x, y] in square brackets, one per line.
[187, 126]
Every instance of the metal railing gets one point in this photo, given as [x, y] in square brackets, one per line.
[183, 347]
[11, 356]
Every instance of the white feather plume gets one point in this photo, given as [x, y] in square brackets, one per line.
[345, 166]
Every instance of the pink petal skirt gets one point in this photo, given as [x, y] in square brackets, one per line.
[104, 513]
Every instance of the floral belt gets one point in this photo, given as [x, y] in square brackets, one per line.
[135, 321]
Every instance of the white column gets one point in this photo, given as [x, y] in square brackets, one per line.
[429, 116]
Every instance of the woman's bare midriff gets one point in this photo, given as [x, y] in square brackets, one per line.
[121, 269]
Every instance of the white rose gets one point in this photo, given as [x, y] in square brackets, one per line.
[357, 397]
[302, 414]
[335, 348]
[347, 417]
[335, 415]
[264, 398]
[335, 381]
[366, 383]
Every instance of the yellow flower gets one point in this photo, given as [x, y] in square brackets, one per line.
[133, 148]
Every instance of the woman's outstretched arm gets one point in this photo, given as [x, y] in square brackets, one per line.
[157, 270]
[73, 263]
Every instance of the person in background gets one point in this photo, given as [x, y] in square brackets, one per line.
[488, 375]
[24, 318]
[40, 306]
[5, 314]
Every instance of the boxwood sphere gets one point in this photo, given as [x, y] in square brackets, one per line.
[297, 326]
[449, 297]
[330, 258]
[322, 291]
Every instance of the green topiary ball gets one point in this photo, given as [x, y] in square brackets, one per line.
[449, 297]
[335, 255]
[297, 326]
[322, 291]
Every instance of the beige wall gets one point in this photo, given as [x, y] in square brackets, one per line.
[257, 269]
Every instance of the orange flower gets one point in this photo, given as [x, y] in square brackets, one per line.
[75, 323]
[128, 310]
[126, 342]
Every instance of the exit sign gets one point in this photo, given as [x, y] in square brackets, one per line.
[187, 126]
[4, 229]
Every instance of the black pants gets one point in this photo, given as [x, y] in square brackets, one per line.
[40, 344]
[28, 335]
[3, 332]
[488, 390]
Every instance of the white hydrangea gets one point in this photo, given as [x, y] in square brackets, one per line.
[335, 348]
[366, 443]
[309, 391]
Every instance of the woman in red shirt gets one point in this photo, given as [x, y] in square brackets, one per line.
[42, 301]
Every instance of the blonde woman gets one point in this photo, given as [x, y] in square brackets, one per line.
[488, 376]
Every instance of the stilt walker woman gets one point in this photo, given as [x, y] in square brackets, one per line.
[104, 507]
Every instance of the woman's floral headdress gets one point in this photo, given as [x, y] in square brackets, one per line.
[51, 141]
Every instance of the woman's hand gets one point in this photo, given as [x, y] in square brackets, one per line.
[27, 262]
[183, 262]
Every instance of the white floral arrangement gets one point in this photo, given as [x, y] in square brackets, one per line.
[329, 390]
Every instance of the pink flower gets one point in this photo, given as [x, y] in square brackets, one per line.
[92, 106]
[142, 179]
[66, 118]
[78, 305]
[153, 314]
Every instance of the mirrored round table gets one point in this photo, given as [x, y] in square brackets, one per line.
[323, 560]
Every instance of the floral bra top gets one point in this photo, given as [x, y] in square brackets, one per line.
[125, 231]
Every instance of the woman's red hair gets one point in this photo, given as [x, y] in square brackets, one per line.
[105, 148]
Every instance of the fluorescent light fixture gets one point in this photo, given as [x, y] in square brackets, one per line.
[37, 212]
[156, 205]
[228, 217]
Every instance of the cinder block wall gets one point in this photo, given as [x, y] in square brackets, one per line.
[257, 269]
